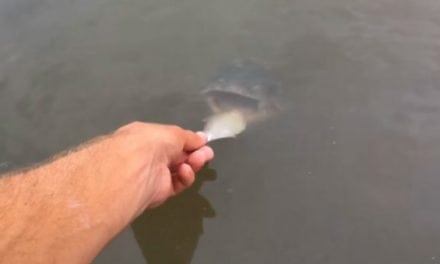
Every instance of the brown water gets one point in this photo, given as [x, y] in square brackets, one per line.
[349, 173]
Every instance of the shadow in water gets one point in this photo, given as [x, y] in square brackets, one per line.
[169, 233]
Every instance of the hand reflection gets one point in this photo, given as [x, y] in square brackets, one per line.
[169, 233]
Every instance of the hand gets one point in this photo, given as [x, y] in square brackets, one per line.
[155, 163]
[174, 156]
[137, 167]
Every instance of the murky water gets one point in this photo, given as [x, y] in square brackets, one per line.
[349, 173]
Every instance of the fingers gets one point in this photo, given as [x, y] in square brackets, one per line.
[186, 177]
[198, 158]
[176, 135]
[193, 140]
[187, 142]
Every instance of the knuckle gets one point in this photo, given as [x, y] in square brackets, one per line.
[172, 131]
[131, 126]
[175, 129]
[136, 124]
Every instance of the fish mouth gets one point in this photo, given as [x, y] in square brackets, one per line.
[222, 101]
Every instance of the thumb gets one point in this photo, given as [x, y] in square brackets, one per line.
[193, 141]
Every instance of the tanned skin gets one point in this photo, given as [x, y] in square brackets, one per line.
[68, 209]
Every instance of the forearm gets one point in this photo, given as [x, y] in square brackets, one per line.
[67, 210]
[52, 214]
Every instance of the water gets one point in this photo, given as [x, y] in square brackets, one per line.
[347, 174]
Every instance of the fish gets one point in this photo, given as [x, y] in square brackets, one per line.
[242, 93]
[244, 86]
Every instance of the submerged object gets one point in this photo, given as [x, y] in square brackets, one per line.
[243, 92]
[246, 87]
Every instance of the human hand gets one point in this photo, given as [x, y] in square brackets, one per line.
[137, 167]
[159, 161]
[169, 156]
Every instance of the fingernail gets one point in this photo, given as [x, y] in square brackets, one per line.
[209, 152]
[203, 135]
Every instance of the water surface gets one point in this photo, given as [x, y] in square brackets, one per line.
[349, 173]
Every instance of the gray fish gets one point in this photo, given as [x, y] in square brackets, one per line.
[246, 87]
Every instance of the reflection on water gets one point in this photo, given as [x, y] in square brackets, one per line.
[170, 233]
